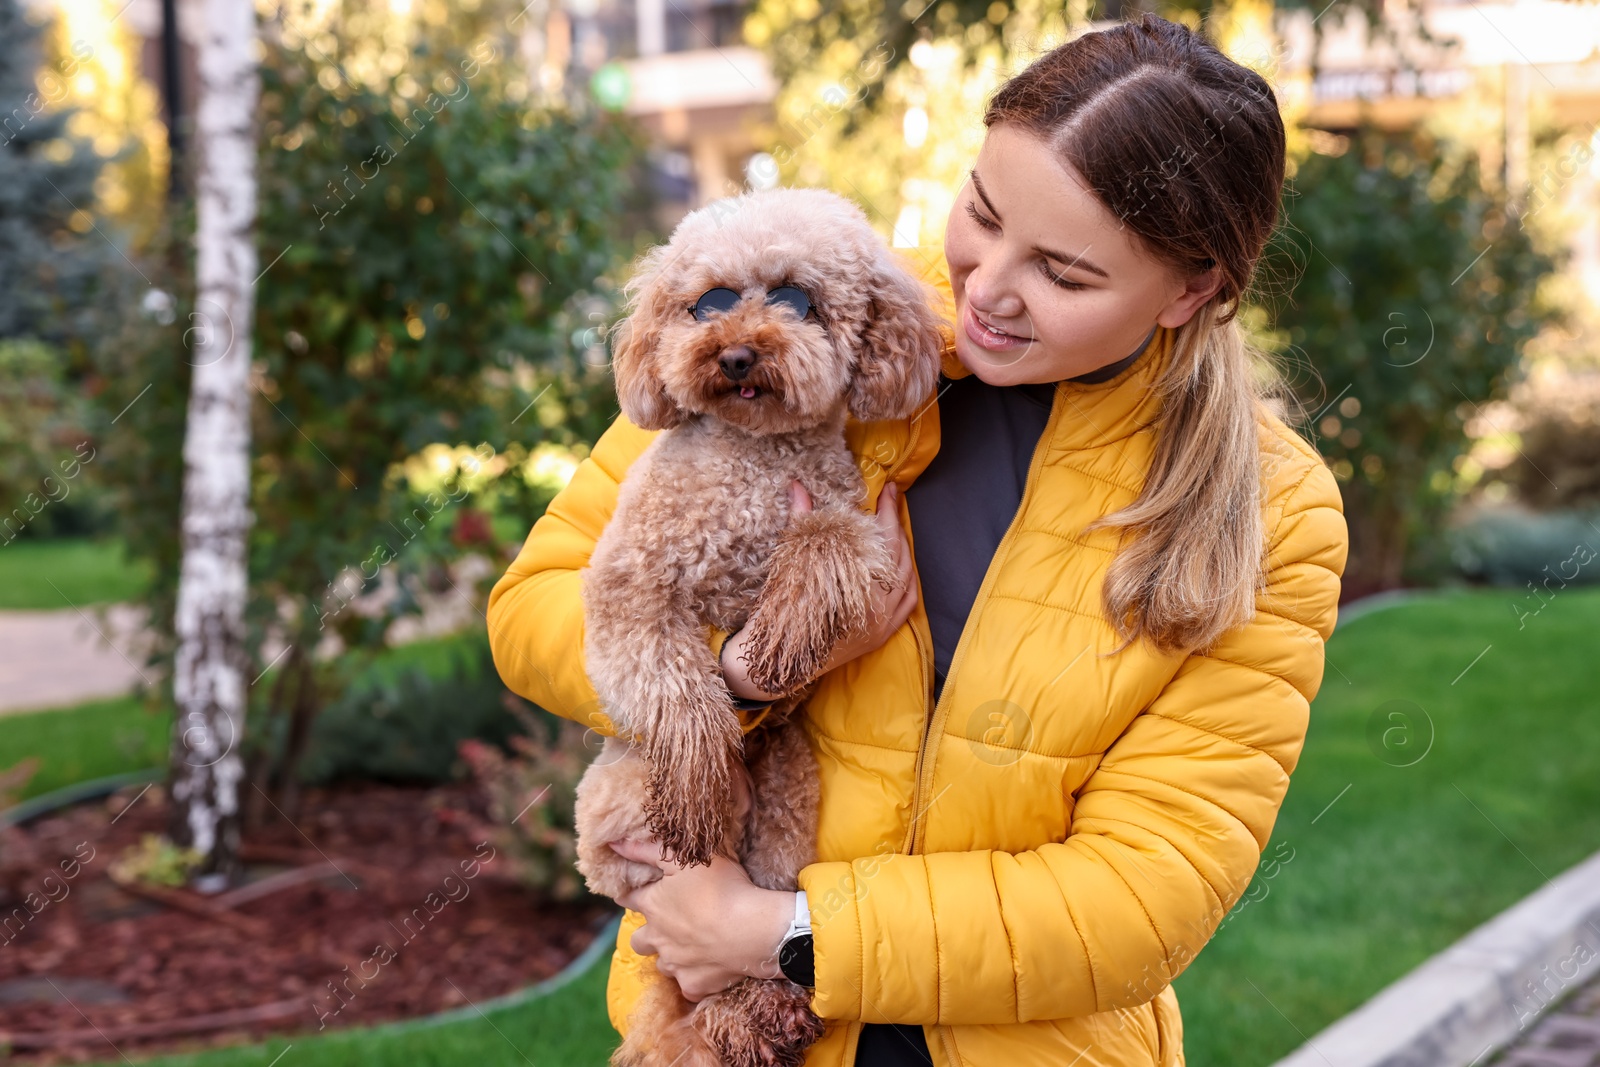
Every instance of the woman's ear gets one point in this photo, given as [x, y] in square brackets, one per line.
[640, 391]
[1198, 289]
[897, 355]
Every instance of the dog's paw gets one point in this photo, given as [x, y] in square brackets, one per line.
[760, 1023]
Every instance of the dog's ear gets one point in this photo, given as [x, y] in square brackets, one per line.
[897, 354]
[640, 392]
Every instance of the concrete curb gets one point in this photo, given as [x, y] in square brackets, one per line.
[1480, 993]
[45, 803]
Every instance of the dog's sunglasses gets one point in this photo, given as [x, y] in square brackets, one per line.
[725, 300]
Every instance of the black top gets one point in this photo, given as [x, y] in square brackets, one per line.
[960, 508]
[962, 504]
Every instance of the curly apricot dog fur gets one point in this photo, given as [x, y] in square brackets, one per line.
[751, 396]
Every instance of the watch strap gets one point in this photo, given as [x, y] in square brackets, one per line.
[796, 952]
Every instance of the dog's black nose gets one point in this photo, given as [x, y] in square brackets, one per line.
[737, 361]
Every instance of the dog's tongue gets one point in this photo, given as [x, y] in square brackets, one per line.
[747, 391]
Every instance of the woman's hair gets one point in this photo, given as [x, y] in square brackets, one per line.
[1186, 147]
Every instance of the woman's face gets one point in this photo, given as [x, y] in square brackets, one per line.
[1047, 283]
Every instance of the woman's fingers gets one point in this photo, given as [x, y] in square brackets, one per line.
[908, 599]
[888, 514]
[799, 499]
[639, 851]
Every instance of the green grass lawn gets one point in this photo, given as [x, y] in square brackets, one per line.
[42, 575]
[568, 1028]
[1409, 858]
[92, 740]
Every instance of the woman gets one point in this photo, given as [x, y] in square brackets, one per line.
[1046, 778]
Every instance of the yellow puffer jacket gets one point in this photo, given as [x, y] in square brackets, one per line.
[1024, 867]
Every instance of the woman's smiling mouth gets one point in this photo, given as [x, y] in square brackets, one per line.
[989, 338]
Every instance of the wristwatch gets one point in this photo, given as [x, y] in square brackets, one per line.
[796, 958]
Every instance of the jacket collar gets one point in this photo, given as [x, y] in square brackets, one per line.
[1082, 415]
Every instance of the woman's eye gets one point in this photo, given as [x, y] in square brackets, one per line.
[1057, 280]
[972, 212]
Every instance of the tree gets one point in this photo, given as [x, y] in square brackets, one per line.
[1414, 294]
[434, 245]
[442, 243]
[53, 259]
[209, 672]
[49, 254]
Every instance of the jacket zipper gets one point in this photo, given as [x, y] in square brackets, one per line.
[934, 726]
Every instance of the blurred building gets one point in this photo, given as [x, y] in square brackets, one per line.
[681, 67]
[1511, 75]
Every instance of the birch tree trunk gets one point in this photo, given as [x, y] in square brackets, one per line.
[210, 673]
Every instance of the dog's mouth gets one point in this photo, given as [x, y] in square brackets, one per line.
[746, 390]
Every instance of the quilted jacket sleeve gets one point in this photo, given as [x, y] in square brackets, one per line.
[535, 610]
[1166, 835]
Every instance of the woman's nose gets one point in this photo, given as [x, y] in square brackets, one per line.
[990, 294]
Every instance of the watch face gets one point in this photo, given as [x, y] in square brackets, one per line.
[797, 961]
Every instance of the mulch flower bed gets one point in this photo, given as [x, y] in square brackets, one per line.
[382, 903]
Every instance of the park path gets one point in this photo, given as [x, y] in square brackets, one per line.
[54, 659]
[50, 659]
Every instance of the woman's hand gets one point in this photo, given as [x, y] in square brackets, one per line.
[888, 609]
[708, 927]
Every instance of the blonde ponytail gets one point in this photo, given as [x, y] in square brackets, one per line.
[1191, 561]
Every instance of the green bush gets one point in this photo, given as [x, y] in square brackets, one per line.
[1414, 295]
[433, 247]
[531, 792]
[405, 723]
[1513, 547]
[1557, 466]
[47, 450]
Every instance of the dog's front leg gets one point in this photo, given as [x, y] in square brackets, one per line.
[647, 656]
[817, 594]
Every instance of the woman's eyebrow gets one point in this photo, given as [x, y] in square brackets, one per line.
[1071, 261]
[978, 185]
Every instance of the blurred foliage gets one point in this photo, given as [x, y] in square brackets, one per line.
[50, 255]
[57, 267]
[46, 446]
[94, 63]
[1557, 465]
[154, 861]
[1513, 547]
[1413, 296]
[888, 112]
[884, 102]
[532, 795]
[434, 255]
[406, 725]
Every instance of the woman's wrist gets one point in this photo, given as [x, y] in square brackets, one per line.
[734, 673]
[768, 920]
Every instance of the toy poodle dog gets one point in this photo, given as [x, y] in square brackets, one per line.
[751, 335]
